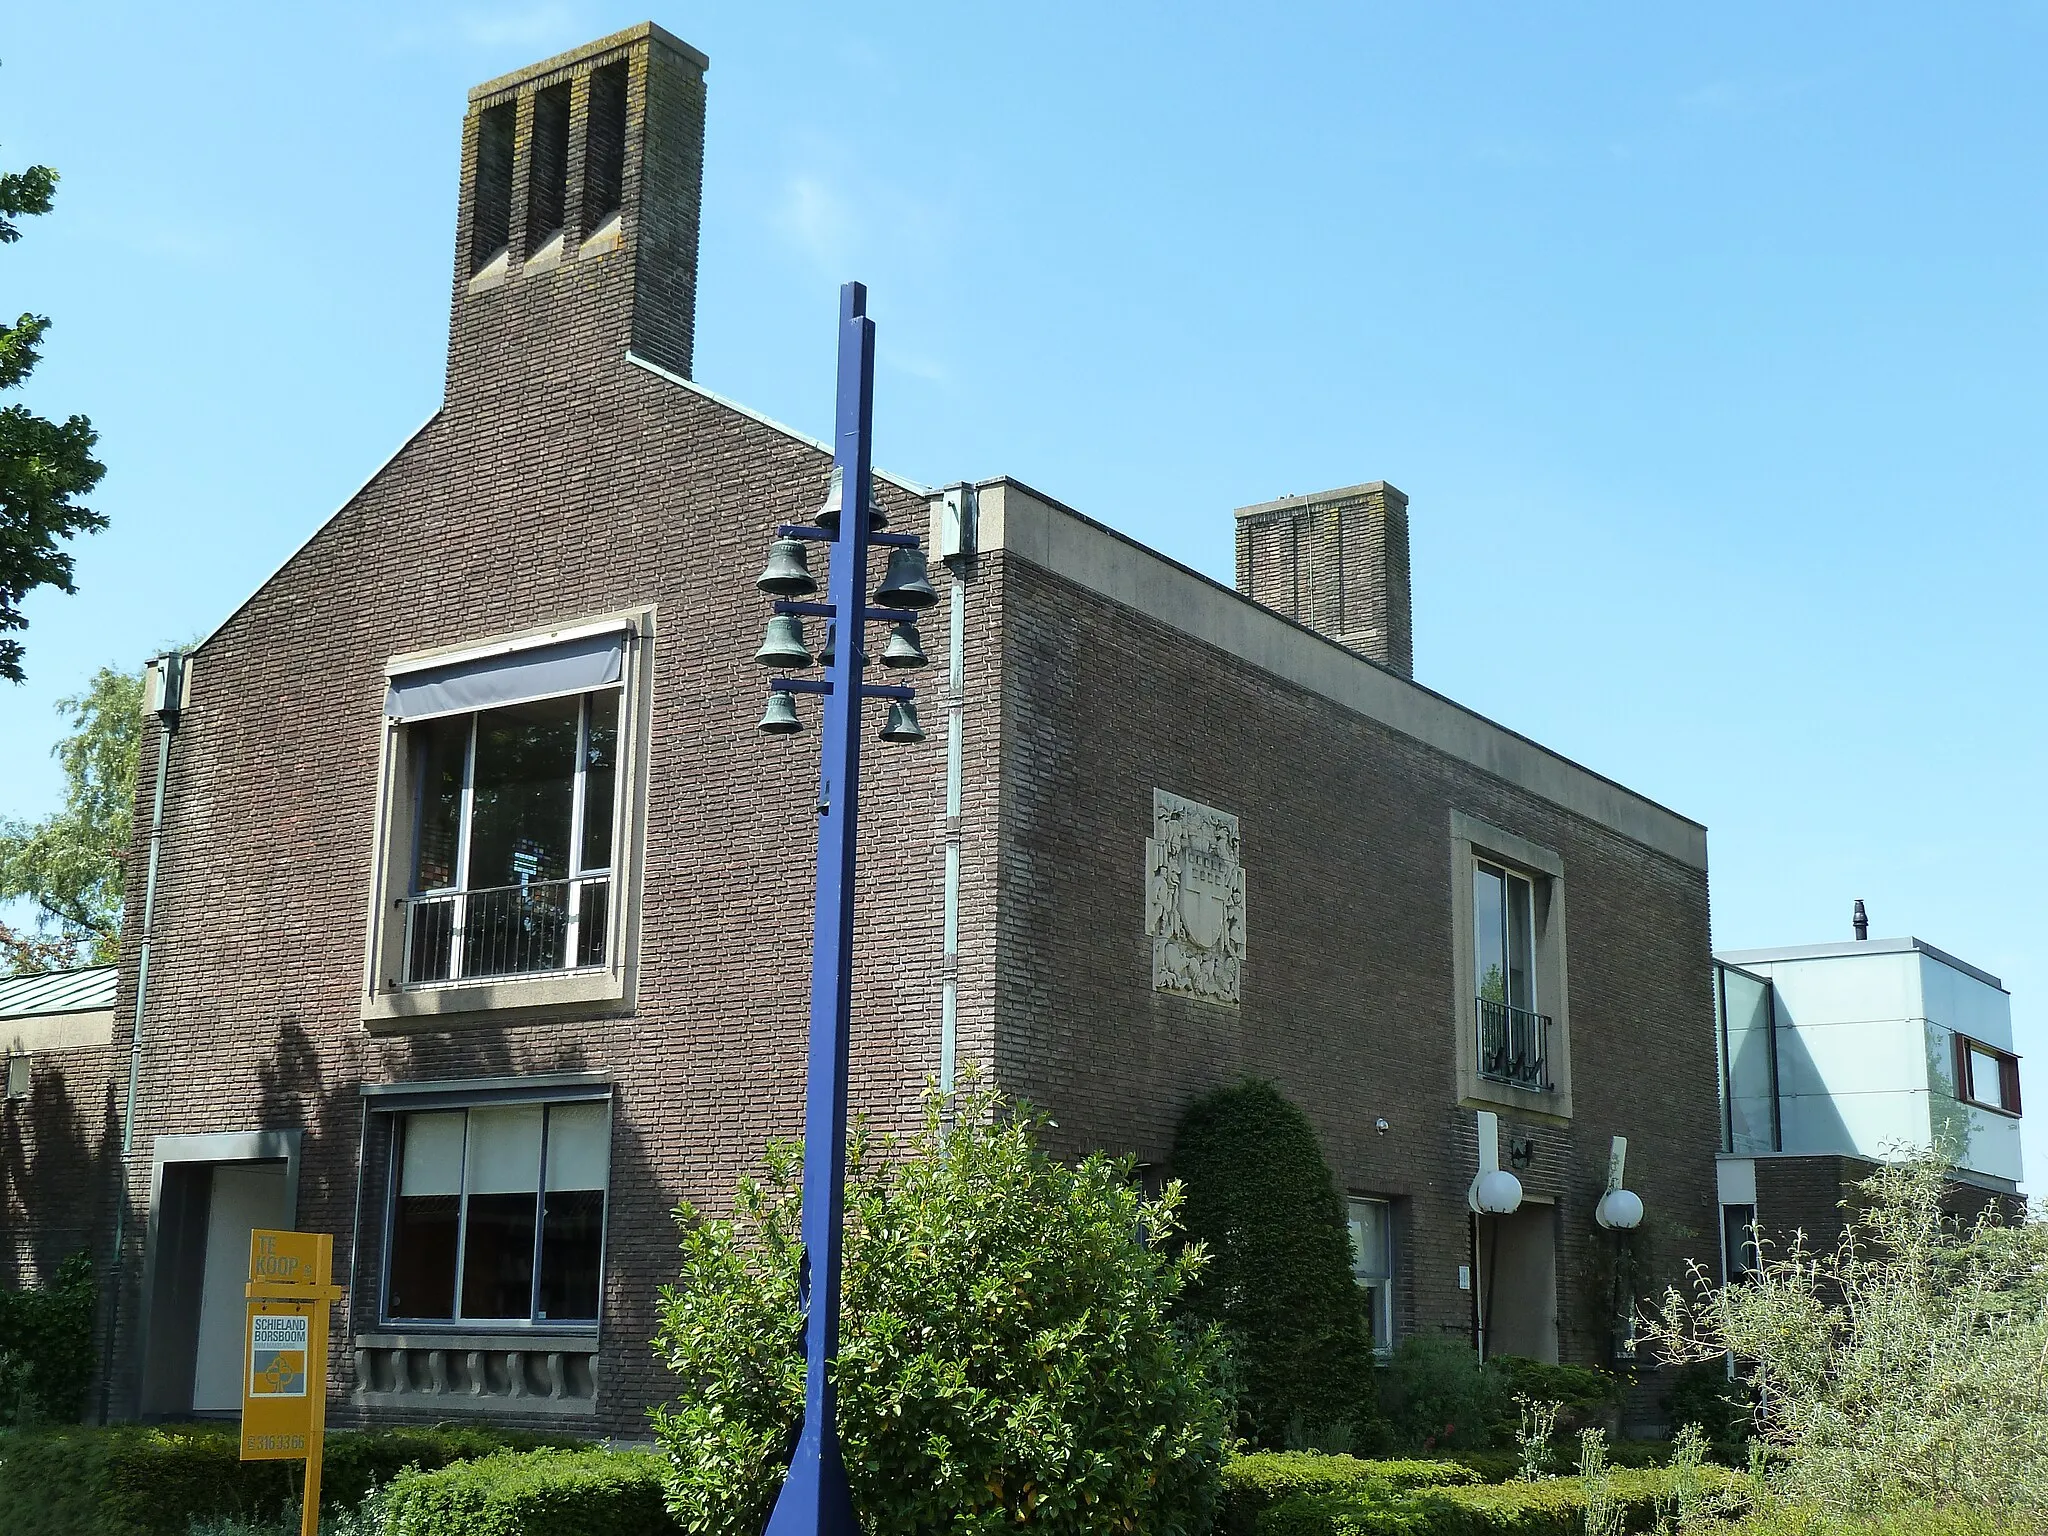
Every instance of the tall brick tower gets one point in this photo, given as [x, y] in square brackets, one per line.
[582, 178]
[1336, 561]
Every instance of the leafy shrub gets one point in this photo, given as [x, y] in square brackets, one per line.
[150, 1480]
[1584, 1394]
[46, 1353]
[1253, 1483]
[1008, 1350]
[1279, 1283]
[1553, 1506]
[534, 1493]
[1437, 1396]
[1702, 1394]
[1907, 1366]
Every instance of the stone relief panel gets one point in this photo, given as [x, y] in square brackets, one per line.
[1194, 899]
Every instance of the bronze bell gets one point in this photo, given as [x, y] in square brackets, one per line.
[781, 718]
[784, 645]
[904, 583]
[901, 726]
[827, 516]
[789, 570]
[904, 650]
[831, 651]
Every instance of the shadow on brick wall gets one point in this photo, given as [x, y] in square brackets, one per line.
[59, 1177]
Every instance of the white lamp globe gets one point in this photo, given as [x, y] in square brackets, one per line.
[1498, 1193]
[1619, 1210]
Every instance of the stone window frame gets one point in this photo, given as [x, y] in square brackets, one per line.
[388, 1006]
[1471, 841]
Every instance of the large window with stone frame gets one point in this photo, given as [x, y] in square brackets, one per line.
[514, 818]
[496, 1214]
[1509, 979]
[1513, 1032]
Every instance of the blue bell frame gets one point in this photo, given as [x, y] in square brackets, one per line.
[814, 1500]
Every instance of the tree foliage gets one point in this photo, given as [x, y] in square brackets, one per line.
[45, 466]
[1008, 1357]
[1909, 1364]
[1279, 1282]
[70, 864]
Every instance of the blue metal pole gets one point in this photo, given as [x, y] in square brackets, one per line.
[814, 1500]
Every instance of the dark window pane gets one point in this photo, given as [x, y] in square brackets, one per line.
[1521, 942]
[423, 1228]
[522, 789]
[423, 1256]
[502, 1175]
[600, 779]
[594, 907]
[439, 750]
[571, 1246]
[497, 1258]
[1489, 925]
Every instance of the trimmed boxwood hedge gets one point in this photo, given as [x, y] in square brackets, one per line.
[538, 1493]
[1552, 1506]
[1254, 1483]
[155, 1480]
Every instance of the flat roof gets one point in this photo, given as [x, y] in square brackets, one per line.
[1070, 544]
[1853, 948]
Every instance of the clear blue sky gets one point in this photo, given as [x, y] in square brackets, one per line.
[1708, 346]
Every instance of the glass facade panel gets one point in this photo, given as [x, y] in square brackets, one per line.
[426, 1216]
[502, 1178]
[1749, 1067]
[440, 763]
[524, 793]
[600, 781]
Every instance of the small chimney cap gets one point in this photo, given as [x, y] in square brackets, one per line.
[1861, 921]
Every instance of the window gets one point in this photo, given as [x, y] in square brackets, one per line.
[1372, 1266]
[1508, 974]
[1513, 1034]
[512, 839]
[497, 1214]
[17, 1077]
[1738, 1241]
[1987, 1076]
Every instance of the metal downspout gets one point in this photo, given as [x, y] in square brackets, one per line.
[956, 705]
[171, 681]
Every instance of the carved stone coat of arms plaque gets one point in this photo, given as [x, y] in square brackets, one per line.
[1194, 899]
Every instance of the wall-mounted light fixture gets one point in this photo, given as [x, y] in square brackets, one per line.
[1494, 1191]
[1619, 1210]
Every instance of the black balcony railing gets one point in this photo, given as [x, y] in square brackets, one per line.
[506, 930]
[1514, 1045]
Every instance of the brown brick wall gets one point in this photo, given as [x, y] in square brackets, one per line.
[1348, 986]
[58, 1150]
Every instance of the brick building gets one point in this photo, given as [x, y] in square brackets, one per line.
[482, 906]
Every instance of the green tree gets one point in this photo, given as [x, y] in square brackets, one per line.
[70, 864]
[1279, 1282]
[44, 465]
[1008, 1359]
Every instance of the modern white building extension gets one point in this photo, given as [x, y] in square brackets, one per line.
[1866, 1050]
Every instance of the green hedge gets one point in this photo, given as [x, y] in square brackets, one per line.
[1252, 1484]
[538, 1493]
[46, 1357]
[1553, 1506]
[1916, 1520]
[150, 1480]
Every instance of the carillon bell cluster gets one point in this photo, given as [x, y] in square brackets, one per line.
[904, 592]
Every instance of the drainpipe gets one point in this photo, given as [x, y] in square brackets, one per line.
[956, 703]
[953, 517]
[170, 678]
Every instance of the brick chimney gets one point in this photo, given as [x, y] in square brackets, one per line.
[576, 234]
[1336, 561]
